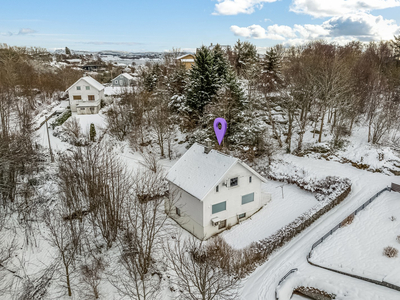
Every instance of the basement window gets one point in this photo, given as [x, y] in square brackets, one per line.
[241, 216]
[178, 211]
[222, 224]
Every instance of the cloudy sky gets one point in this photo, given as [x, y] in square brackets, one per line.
[160, 25]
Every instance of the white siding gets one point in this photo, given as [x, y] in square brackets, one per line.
[84, 94]
[233, 198]
[191, 211]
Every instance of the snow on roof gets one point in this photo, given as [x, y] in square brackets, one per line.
[127, 76]
[116, 90]
[197, 172]
[93, 82]
[187, 60]
[182, 56]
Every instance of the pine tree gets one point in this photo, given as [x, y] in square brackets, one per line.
[272, 66]
[396, 47]
[203, 81]
[92, 132]
[67, 51]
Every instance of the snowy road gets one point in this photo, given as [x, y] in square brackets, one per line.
[261, 284]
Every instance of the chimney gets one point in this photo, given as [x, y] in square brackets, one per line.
[207, 148]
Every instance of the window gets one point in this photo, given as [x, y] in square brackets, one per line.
[222, 224]
[178, 211]
[92, 109]
[87, 87]
[91, 97]
[116, 81]
[234, 181]
[77, 97]
[82, 108]
[248, 198]
[241, 216]
[121, 82]
[250, 179]
[217, 188]
[219, 207]
[78, 88]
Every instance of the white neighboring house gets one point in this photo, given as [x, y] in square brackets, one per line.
[123, 79]
[210, 191]
[85, 96]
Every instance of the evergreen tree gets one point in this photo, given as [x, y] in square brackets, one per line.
[92, 132]
[204, 81]
[244, 56]
[272, 66]
[396, 47]
[67, 51]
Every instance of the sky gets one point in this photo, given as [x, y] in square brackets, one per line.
[160, 25]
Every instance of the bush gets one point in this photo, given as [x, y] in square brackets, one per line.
[61, 119]
[348, 220]
[390, 251]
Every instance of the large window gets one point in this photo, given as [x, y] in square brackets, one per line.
[234, 181]
[219, 207]
[248, 198]
[91, 97]
[77, 97]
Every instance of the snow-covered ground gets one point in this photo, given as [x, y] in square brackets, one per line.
[358, 248]
[275, 215]
[261, 283]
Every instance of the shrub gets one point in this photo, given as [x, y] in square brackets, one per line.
[390, 251]
[61, 119]
[348, 220]
[392, 218]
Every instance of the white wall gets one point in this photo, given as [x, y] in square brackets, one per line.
[83, 93]
[191, 211]
[233, 198]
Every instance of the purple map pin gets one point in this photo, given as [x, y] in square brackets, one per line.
[220, 133]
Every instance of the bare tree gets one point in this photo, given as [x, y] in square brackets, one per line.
[199, 276]
[66, 244]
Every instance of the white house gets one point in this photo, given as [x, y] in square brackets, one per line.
[85, 96]
[210, 191]
[123, 79]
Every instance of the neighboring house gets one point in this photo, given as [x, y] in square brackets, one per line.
[210, 191]
[85, 96]
[123, 79]
[187, 60]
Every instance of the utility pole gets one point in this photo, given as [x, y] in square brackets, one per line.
[48, 138]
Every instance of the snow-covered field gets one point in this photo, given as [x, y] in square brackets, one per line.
[275, 215]
[261, 284]
[358, 247]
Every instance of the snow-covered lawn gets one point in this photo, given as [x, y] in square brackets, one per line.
[275, 215]
[358, 247]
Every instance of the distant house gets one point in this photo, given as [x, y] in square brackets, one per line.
[187, 60]
[211, 191]
[123, 79]
[85, 96]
